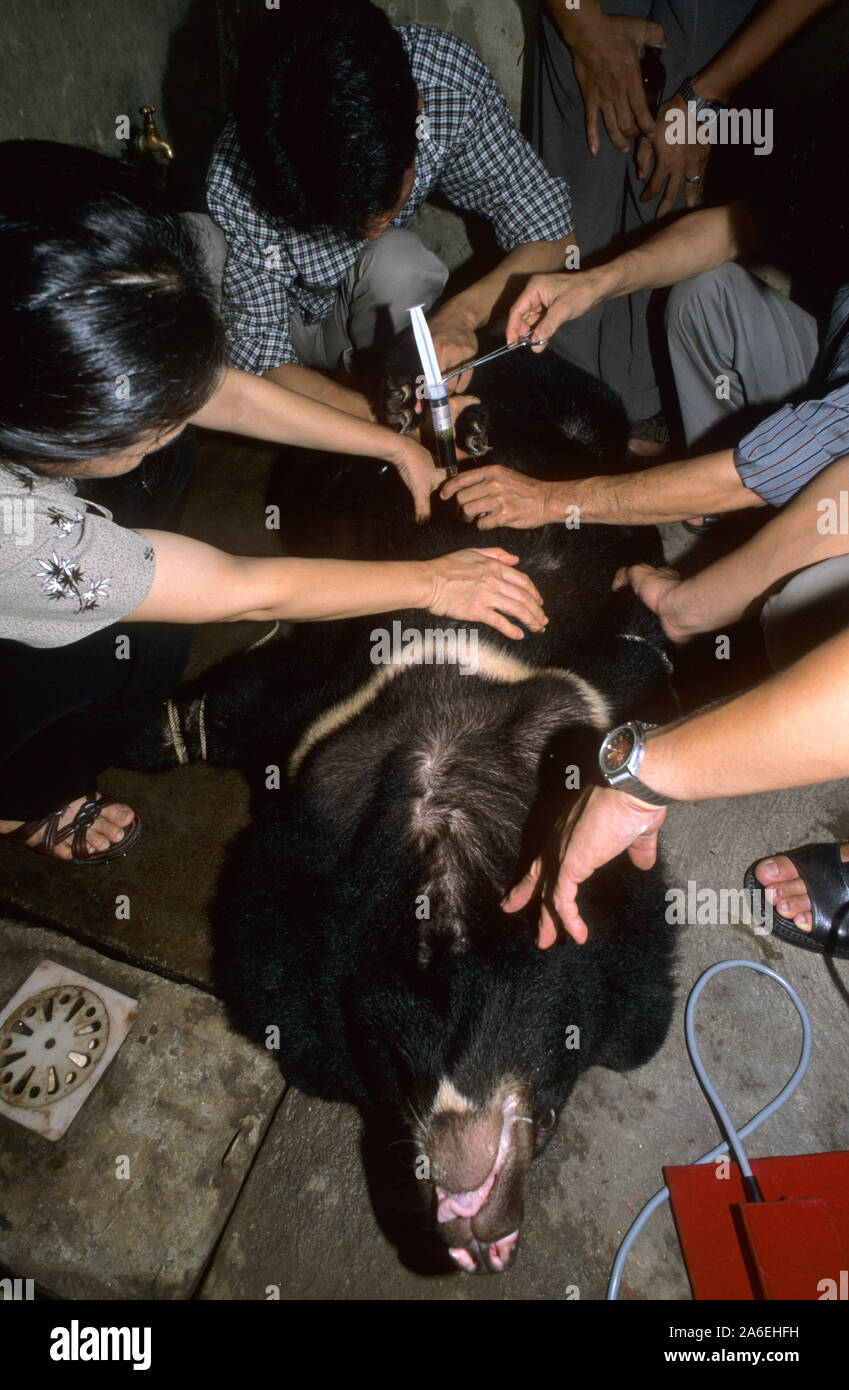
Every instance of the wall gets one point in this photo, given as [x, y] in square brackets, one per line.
[68, 68]
[497, 29]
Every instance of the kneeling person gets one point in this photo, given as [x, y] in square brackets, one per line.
[344, 125]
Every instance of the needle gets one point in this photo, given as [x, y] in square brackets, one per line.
[527, 341]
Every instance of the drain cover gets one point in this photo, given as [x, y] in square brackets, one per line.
[50, 1044]
[58, 1034]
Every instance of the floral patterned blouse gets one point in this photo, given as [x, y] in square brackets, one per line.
[66, 568]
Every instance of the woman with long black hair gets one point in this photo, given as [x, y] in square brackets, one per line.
[110, 344]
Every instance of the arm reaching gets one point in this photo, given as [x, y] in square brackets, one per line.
[496, 496]
[790, 731]
[725, 591]
[454, 327]
[688, 247]
[196, 583]
[256, 407]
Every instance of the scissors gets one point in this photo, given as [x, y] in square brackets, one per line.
[527, 340]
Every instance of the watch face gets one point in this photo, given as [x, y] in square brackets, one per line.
[617, 749]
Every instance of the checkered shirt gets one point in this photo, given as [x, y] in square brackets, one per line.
[470, 150]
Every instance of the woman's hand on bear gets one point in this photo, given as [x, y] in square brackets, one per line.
[481, 586]
[601, 824]
[419, 472]
[495, 496]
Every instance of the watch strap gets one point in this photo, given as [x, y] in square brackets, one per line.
[626, 780]
[644, 793]
[701, 103]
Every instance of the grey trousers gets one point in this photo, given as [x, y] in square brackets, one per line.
[738, 350]
[390, 275]
[613, 340]
[727, 327]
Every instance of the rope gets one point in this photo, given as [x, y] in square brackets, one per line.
[261, 641]
[176, 733]
[202, 727]
[174, 718]
[635, 637]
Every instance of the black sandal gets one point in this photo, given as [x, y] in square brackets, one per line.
[700, 528]
[76, 831]
[826, 879]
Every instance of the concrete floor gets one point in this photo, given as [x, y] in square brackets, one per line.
[241, 1189]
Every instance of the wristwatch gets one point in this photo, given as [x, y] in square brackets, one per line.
[700, 103]
[619, 758]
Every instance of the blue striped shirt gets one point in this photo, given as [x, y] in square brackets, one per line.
[790, 448]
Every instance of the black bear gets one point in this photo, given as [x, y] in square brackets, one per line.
[360, 911]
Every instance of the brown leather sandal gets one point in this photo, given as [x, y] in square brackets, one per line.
[75, 831]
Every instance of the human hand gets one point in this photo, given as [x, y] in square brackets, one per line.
[658, 588]
[601, 824]
[419, 472]
[455, 341]
[496, 496]
[481, 586]
[547, 301]
[606, 58]
[672, 163]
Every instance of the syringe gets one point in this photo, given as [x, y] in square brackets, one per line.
[436, 393]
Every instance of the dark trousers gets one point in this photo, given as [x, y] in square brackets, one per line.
[66, 713]
[612, 341]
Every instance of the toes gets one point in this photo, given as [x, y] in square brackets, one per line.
[775, 870]
[789, 891]
[107, 831]
[785, 890]
[792, 907]
[791, 901]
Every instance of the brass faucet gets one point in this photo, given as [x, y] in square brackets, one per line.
[149, 141]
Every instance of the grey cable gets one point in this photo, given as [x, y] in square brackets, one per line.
[734, 1136]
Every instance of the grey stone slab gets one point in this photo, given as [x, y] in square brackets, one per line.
[185, 1103]
[304, 1222]
[166, 882]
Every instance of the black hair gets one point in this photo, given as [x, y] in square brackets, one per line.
[326, 114]
[108, 326]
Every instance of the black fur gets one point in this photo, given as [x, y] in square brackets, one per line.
[446, 784]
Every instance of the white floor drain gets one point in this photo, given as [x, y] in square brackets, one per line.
[58, 1035]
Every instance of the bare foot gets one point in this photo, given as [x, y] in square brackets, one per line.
[107, 829]
[785, 890]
